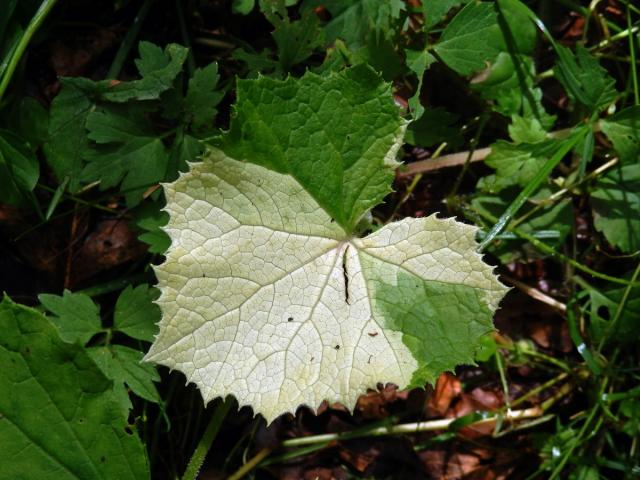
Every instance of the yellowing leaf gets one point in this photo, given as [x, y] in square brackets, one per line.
[265, 297]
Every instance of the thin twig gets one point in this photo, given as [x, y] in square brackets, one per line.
[445, 161]
[416, 427]
[536, 294]
[460, 158]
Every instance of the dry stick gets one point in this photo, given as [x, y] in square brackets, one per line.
[451, 160]
[536, 294]
[460, 158]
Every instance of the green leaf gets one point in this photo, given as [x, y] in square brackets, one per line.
[603, 307]
[418, 62]
[158, 68]
[117, 123]
[433, 128]
[202, 97]
[9, 6]
[585, 472]
[19, 168]
[584, 79]
[337, 135]
[136, 314]
[133, 153]
[68, 142]
[515, 164]
[554, 220]
[258, 63]
[59, 416]
[185, 148]
[77, 318]
[150, 218]
[435, 10]
[616, 207]
[266, 298]
[526, 130]
[470, 39]
[296, 41]
[521, 36]
[382, 54]
[630, 408]
[623, 129]
[243, 7]
[137, 165]
[30, 120]
[123, 365]
[354, 20]
[500, 84]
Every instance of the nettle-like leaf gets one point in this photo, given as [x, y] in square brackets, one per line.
[268, 293]
[337, 135]
[470, 39]
[59, 416]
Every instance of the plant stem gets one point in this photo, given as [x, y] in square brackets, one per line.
[416, 427]
[200, 453]
[552, 251]
[632, 51]
[536, 294]
[465, 166]
[629, 32]
[184, 32]
[539, 388]
[555, 196]
[34, 24]
[578, 440]
[127, 43]
[250, 465]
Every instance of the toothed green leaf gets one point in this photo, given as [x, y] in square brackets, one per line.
[59, 418]
[268, 294]
[337, 136]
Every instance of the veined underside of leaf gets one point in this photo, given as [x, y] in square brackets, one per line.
[266, 297]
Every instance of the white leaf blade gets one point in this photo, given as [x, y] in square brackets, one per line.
[265, 298]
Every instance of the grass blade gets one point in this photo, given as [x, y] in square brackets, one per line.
[532, 186]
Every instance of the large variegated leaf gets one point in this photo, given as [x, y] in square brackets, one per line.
[265, 297]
